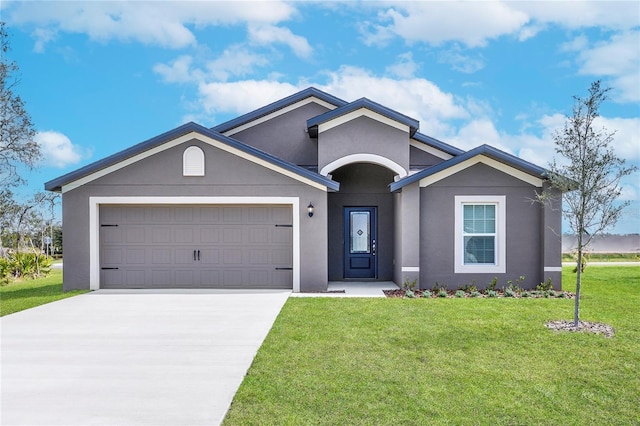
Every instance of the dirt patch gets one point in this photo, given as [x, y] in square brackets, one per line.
[583, 326]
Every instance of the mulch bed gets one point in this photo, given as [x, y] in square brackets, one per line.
[452, 294]
[583, 326]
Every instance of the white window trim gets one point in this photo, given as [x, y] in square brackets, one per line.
[500, 266]
[94, 221]
[193, 161]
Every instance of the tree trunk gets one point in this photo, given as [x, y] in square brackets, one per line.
[576, 312]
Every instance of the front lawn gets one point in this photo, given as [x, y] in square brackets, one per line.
[29, 293]
[449, 361]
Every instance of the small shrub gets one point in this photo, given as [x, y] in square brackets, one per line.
[409, 284]
[492, 293]
[492, 285]
[459, 293]
[552, 293]
[563, 295]
[509, 292]
[442, 293]
[526, 294]
[475, 294]
[410, 294]
[545, 286]
[470, 288]
[427, 294]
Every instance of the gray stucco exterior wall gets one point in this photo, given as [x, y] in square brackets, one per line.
[419, 159]
[226, 175]
[363, 135]
[524, 231]
[285, 136]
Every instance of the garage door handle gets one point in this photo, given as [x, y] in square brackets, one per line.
[198, 255]
[194, 255]
[284, 269]
[108, 269]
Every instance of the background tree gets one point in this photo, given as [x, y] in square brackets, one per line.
[588, 174]
[16, 129]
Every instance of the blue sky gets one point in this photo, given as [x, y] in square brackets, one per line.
[98, 77]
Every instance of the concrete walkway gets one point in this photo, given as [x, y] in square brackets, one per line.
[132, 357]
[353, 289]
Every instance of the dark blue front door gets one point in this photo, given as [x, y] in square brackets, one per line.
[360, 229]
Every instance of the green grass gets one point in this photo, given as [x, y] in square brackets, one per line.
[604, 257]
[449, 361]
[26, 294]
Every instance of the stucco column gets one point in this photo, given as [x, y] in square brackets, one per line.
[552, 239]
[408, 234]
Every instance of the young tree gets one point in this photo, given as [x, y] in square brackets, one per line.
[588, 175]
[16, 129]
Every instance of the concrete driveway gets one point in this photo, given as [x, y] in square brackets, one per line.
[132, 357]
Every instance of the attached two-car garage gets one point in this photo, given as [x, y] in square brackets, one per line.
[196, 246]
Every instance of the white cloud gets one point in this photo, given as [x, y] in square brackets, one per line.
[57, 149]
[470, 23]
[618, 58]
[240, 97]
[615, 15]
[161, 23]
[269, 34]
[473, 24]
[405, 67]
[459, 61]
[626, 141]
[416, 97]
[235, 61]
[178, 71]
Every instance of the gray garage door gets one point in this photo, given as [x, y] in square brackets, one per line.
[196, 247]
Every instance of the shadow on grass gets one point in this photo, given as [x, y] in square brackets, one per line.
[42, 290]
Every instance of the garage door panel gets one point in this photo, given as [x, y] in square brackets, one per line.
[232, 235]
[161, 256]
[185, 256]
[135, 256]
[210, 257]
[209, 235]
[196, 246]
[135, 278]
[184, 278]
[162, 235]
[135, 235]
[112, 256]
[232, 256]
[162, 278]
[259, 257]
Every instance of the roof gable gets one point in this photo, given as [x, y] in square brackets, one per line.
[510, 164]
[279, 107]
[434, 146]
[178, 136]
[357, 109]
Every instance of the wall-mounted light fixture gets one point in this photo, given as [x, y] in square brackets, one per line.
[310, 209]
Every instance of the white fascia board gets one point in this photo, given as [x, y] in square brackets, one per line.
[182, 139]
[338, 121]
[94, 223]
[430, 150]
[278, 113]
[531, 180]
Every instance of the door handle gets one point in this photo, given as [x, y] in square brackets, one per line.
[194, 255]
[373, 247]
[198, 255]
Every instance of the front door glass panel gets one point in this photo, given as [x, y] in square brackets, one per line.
[360, 228]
